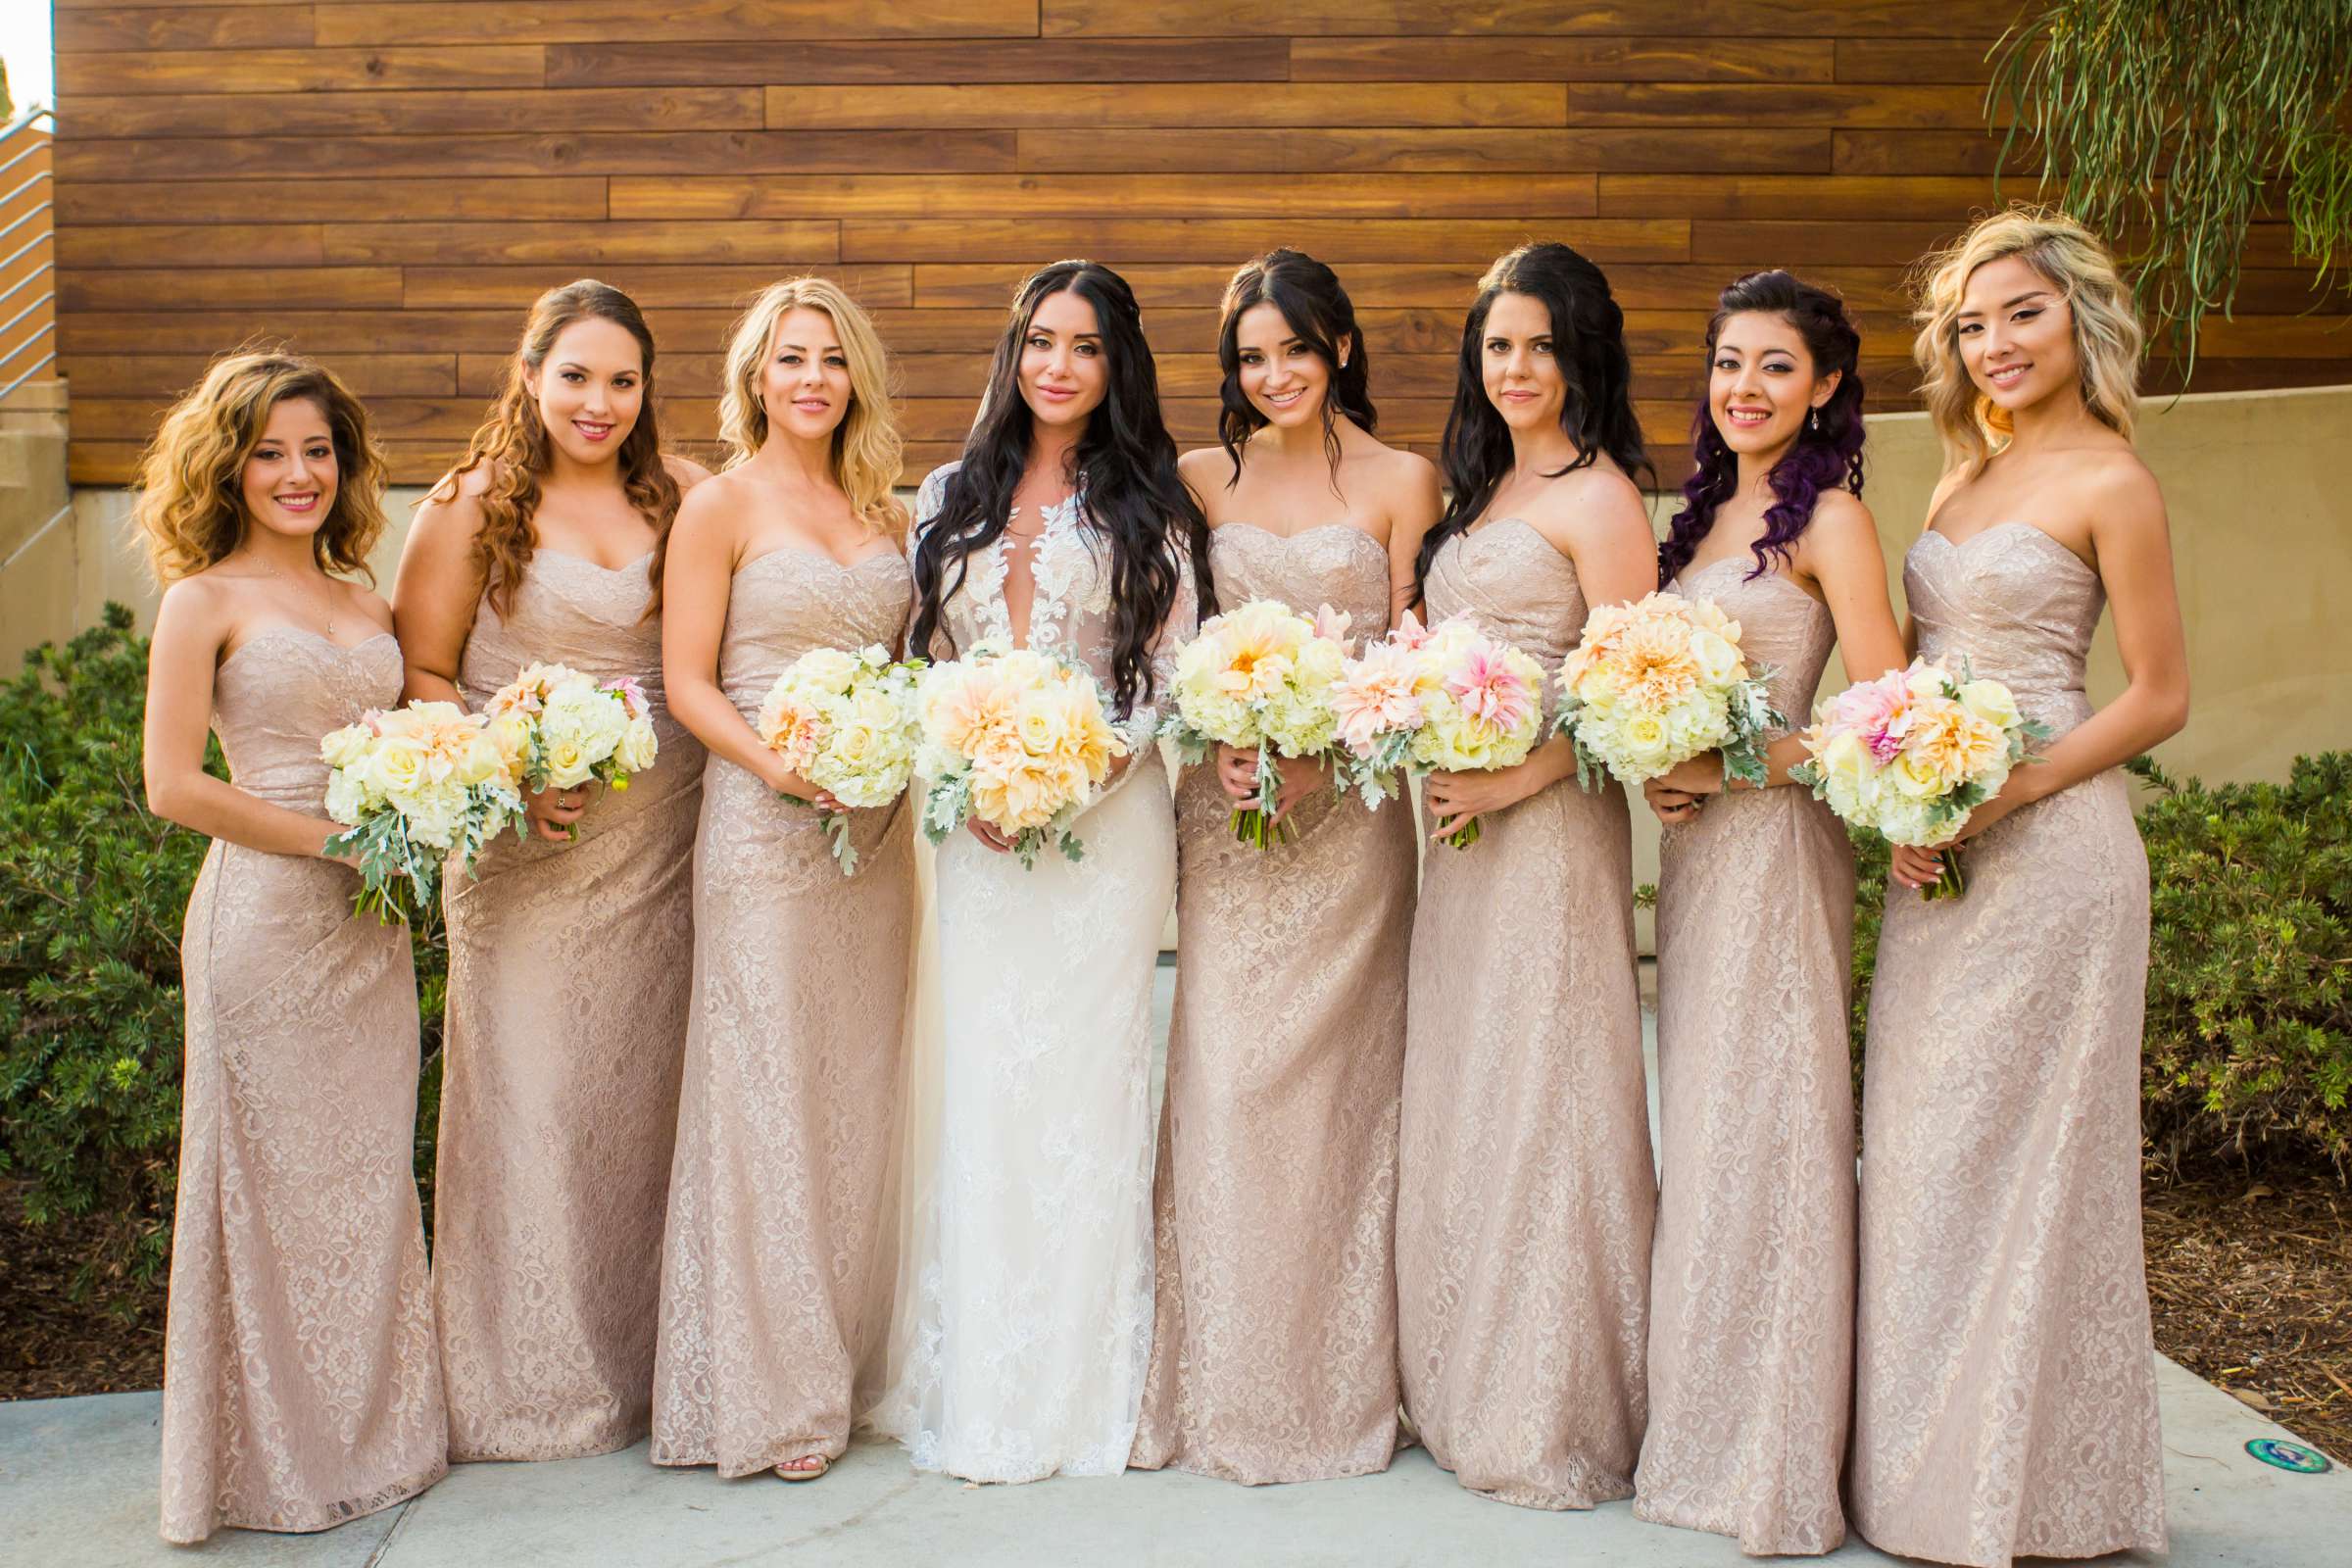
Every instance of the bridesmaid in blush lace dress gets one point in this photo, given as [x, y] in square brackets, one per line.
[2005, 1394]
[1274, 1350]
[568, 957]
[1752, 1278]
[1525, 1187]
[775, 1285]
[301, 1383]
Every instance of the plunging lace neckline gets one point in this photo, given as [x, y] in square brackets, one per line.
[1046, 564]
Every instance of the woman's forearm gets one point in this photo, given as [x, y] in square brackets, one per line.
[2135, 722]
[711, 718]
[219, 809]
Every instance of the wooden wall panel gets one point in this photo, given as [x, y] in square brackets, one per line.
[389, 183]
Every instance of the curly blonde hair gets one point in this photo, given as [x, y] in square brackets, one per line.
[513, 447]
[191, 496]
[2108, 337]
[867, 447]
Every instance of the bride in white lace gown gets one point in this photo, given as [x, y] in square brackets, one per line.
[1025, 1301]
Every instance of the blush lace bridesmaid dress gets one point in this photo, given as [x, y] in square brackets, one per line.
[2004, 1377]
[1753, 1277]
[777, 1274]
[1525, 1187]
[1274, 1353]
[568, 969]
[302, 1386]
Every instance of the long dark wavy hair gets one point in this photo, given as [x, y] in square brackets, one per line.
[1588, 341]
[1127, 483]
[1318, 310]
[1827, 454]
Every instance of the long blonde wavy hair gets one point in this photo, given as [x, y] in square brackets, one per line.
[867, 447]
[191, 494]
[513, 445]
[2108, 337]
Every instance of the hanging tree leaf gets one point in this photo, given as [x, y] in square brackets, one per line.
[2169, 125]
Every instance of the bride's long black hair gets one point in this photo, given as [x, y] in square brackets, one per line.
[1126, 481]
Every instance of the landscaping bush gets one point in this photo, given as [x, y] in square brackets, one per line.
[92, 891]
[2247, 1051]
[2249, 1033]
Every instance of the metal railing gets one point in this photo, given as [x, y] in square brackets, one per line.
[22, 138]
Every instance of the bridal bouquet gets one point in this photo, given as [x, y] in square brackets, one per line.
[1261, 676]
[1656, 683]
[574, 728]
[847, 724]
[414, 786]
[1436, 699]
[1911, 754]
[1017, 738]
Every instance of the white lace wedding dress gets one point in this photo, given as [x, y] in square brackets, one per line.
[1025, 1299]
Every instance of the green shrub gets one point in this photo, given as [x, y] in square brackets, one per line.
[92, 893]
[2247, 1051]
[2248, 1047]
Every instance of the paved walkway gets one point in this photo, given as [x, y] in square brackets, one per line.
[79, 1480]
[78, 1484]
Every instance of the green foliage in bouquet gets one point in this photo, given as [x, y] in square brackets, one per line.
[92, 891]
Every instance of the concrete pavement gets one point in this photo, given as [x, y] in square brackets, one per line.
[78, 1480]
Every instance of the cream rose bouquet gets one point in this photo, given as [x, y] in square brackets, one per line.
[847, 722]
[1377, 705]
[575, 728]
[1483, 709]
[1657, 682]
[1911, 754]
[414, 787]
[1018, 739]
[1436, 699]
[1261, 676]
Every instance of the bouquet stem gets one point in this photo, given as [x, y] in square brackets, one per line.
[1950, 882]
[1255, 827]
[1465, 836]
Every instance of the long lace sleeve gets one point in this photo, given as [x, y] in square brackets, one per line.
[1182, 625]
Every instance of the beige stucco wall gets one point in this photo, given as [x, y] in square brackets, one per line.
[2262, 527]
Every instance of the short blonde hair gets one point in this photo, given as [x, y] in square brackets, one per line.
[191, 494]
[2108, 338]
[867, 447]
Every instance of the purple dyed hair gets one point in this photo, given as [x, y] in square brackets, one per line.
[1824, 457]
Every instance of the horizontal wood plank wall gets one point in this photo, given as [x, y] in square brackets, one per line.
[389, 184]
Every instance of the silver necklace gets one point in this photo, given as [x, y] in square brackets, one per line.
[326, 603]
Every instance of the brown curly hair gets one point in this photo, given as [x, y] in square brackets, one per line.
[191, 494]
[514, 448]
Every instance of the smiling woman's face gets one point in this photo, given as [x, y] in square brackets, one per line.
[804, 386]
[2017, 334]
[289, 479]
[590, 389]
[1515, 355]
[1064, 375]
[1761, 384]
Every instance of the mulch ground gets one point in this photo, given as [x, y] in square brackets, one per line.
[52, 1344]
[2251, 1284]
